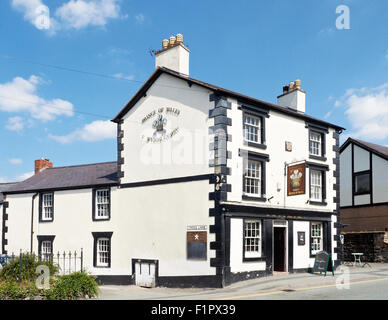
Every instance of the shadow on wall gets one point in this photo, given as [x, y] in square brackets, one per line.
[374, 246]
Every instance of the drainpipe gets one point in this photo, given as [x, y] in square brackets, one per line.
[32, 220]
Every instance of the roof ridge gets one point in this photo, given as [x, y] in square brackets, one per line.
[80, 165]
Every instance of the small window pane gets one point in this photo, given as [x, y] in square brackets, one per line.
[362, 183]
[252, 178]
[316, 237]
[252, 128]
[47, 206]
[315, 146]
[252, 238]
[103, 245]
[102, 204]
[316, 185]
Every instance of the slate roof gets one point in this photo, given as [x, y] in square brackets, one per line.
[372, 147]
[218, 90]
[70, 177]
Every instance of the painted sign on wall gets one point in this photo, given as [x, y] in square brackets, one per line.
[160, 118]
[197, 245]
[301, 238]
[296, 179]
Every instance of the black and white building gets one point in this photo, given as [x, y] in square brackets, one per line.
[210, 186]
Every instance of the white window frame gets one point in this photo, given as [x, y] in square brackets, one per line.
[315, 143]
[102, 204]
[316, 185]
[100, 263]
[254, 234]
[44, 246]
[252, 128]
[253, 176]
[47, 207]
[316, 237]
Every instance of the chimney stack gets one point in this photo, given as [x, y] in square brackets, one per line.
[293, 97]
[42, 164]
[174, 55]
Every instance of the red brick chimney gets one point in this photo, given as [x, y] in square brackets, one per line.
[42, 164]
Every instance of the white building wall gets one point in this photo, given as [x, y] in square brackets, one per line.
[236, 250]
[156, 220]
[361, 159]
[346, 175]
[380, 179]
[279, 129]
[187, 153]
[301, 254]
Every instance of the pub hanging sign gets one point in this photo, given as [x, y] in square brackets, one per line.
[296, 179]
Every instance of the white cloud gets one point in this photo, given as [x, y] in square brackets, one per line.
[15, 124]
[94, 131]
[367, 112]
[3, 180]
[25, 176]
[19, 95]
[73, 14]
[15, 161]
[78, 14]
[140, 18]
[328, 114]
[122, 76]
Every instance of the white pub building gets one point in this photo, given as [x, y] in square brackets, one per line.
[210, 187]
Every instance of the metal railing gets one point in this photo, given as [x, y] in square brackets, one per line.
[67, 262]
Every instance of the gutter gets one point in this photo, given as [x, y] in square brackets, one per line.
[32, 220]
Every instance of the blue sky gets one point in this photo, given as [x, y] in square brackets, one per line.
[253, 47]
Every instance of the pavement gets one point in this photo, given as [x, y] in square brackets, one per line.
[349, 282]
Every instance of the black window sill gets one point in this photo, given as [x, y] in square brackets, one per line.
[317, 157]
[318, 203]
[255, 145]
[245, 197]
[44, 221]
[258, 259]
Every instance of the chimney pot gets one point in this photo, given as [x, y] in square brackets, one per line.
[285, 89]
[179, 38]
[292, 85]
[42, 164]
[297, 84]
[165, 43]
[172, 41]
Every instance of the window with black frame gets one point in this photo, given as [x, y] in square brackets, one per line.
[362, 183]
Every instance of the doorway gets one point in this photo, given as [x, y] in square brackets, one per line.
[279, 248]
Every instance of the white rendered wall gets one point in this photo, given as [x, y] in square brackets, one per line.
[176, 58]
[301, 253]
[380, 179]
[187, 153]
[346, 177]
[236, 249]
[155, 220]
[276, 136]
[361, 159]
[295, 99]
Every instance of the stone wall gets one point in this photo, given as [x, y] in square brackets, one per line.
[372, 245]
